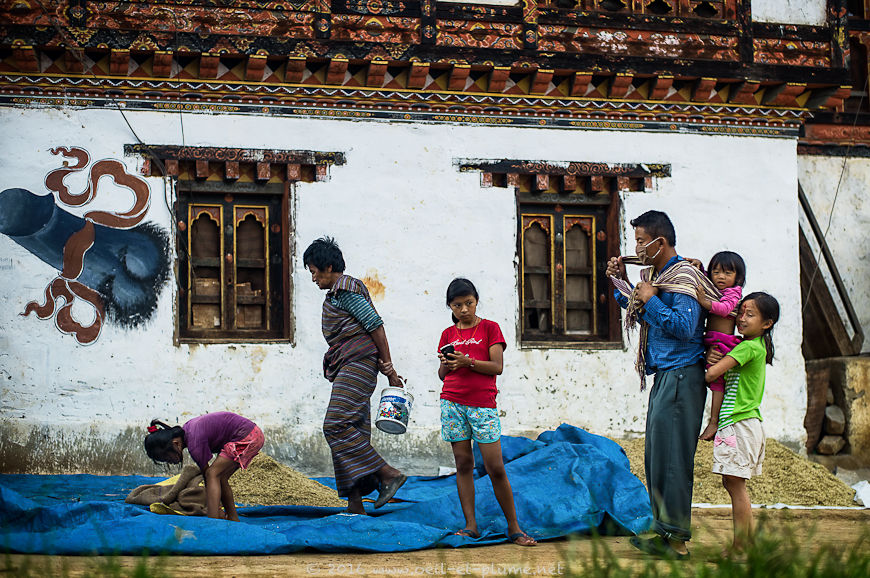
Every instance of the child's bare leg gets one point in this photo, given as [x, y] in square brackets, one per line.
[741, 510]
[227, 498]
[464, 458]
[494, 464]
[219, 469]
[715, 407]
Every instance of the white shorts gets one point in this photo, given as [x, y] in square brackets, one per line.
[738, 449]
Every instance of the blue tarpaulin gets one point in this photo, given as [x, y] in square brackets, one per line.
[567, 481]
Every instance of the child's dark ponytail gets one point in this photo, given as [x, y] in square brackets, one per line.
[767, 339]
[768, 307]
[158, 441]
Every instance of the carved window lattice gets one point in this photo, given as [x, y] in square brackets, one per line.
[232, 276]
[559, 260]
[231, 289]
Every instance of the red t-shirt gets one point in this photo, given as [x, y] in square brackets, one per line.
[465, 385]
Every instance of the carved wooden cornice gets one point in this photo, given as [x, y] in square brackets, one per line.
[699, 52]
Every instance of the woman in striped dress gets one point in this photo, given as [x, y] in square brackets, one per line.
[358, 348]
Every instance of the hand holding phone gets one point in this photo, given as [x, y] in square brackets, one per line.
[447, 349]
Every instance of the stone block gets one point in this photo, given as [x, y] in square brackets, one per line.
[829, 397]
[830, 445]
[850, 381]
[835, 420]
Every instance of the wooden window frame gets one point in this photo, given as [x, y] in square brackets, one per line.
[603, 215]
[278, 286]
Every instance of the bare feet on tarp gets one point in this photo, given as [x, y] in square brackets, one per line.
[355, 503]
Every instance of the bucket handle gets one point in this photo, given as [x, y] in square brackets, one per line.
[404, 383]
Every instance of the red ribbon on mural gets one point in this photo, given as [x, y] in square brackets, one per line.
[64, 286]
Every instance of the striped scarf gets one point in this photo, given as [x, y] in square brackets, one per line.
[681, 277]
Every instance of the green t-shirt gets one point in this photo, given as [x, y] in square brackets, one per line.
[744, 384]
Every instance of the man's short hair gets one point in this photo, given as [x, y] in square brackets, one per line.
[657, 224]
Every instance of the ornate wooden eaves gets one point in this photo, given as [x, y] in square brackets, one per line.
[846, 132]
[235, 165]
[564, 182]
[700, 52]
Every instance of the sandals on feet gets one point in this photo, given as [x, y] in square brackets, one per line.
[389, 490]
[522, 539]
[465, 532]
[657, 546]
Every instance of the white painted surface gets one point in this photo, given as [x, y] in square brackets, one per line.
[845, 215]
[808, 12]
[401, 212]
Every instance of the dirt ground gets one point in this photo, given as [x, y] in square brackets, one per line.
[712, 531]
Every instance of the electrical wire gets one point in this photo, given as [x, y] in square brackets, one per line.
[78, 52]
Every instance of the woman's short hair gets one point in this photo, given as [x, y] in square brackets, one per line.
[323, 253]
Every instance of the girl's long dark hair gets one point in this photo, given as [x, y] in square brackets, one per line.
[159, 442]
[460, 287]
[768, 307]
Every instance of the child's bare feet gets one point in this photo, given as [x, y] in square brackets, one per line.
[709, 433]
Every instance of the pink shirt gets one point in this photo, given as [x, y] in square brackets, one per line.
[730, 298]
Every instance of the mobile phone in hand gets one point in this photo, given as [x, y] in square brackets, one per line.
[447, 349]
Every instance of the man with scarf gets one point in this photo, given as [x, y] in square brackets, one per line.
[671, 347]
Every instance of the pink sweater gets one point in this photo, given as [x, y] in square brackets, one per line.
[730, 298]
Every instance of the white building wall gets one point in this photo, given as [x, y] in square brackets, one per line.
[841, 209]
[404, 215]
[808, 12]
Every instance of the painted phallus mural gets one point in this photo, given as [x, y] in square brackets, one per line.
[109, 260]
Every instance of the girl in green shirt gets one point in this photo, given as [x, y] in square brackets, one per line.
[738, 447]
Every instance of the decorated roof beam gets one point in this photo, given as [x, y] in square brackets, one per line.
[783, 60]
[524, 79]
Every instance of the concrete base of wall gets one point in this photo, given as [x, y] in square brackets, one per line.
[34, 449]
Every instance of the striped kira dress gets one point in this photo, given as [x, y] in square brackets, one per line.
[351, 364]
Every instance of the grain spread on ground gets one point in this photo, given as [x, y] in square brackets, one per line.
[267, 482]
[786, 478]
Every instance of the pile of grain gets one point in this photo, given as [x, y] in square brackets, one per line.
[787, 478]
[269, 483]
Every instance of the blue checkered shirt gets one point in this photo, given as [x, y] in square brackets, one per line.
[676, 329]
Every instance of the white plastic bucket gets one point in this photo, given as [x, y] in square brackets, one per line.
[394, 411]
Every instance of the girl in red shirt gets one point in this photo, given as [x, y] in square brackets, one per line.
[471, 353]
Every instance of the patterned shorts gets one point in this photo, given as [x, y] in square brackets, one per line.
[243, 451]
[461, 422]
[738, 449]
